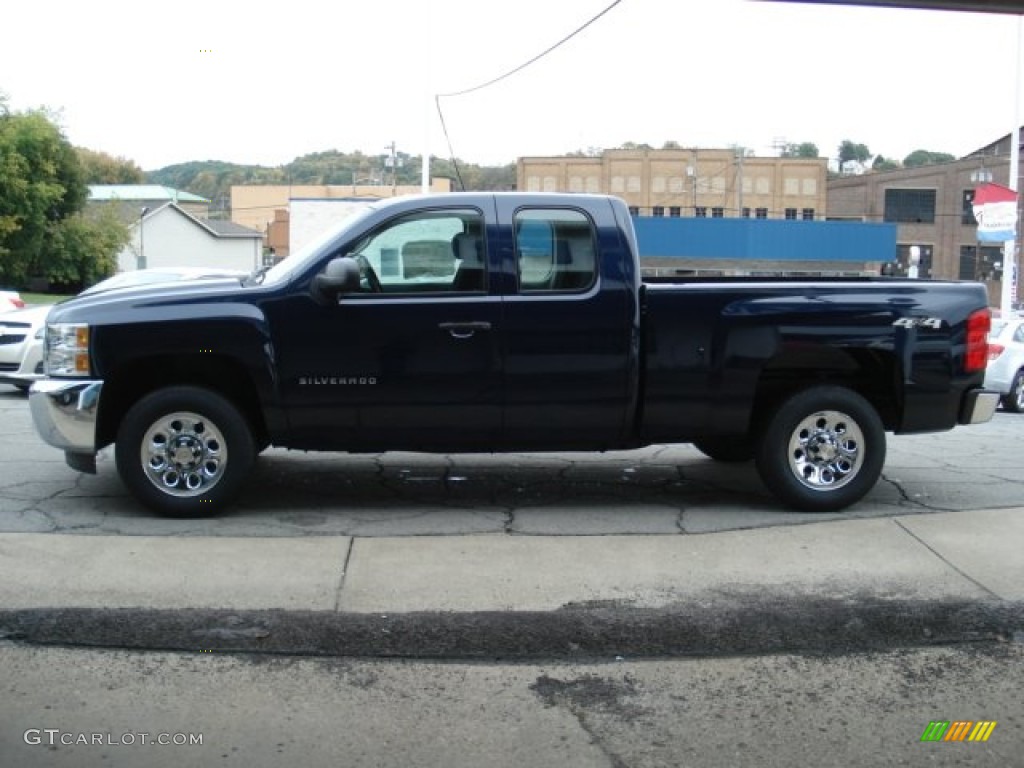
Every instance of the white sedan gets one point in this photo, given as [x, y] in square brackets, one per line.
[1005, 371]
[21, 345]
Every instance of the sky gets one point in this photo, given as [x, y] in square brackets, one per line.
[259, 82]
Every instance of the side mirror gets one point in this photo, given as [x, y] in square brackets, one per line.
[341, 275]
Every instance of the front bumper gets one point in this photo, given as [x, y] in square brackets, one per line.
[65, 415]
[978, 406]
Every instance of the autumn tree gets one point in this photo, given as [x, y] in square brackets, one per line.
[101, 168]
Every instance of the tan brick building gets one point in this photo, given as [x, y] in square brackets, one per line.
[713, 183]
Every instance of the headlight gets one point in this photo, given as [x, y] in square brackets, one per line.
[66, 351]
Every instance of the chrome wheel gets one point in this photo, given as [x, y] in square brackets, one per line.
[184, 454]
[825, 450]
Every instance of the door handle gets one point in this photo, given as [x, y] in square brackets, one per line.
[464, 330]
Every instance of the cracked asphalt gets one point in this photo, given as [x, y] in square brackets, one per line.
[663, 489]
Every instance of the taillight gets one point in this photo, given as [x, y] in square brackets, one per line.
[978, 326]
[18, 303]
[994, 351]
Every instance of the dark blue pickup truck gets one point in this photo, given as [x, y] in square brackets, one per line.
[500, 322]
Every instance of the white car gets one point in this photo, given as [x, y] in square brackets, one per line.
[21, 332]
[1005, 371]
[10, 300]
[21, 345]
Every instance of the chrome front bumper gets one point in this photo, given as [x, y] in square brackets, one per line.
[978, 406]
[65, 414]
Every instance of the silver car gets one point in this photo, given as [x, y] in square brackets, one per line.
[1005, 371]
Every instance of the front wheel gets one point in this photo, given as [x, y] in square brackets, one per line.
[184, 451]
[822, 450]
[1013, 401]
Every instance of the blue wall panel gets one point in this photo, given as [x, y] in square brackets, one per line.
[774, 239]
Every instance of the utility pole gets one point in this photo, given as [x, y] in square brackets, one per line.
[393, 162]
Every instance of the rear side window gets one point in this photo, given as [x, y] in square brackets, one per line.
[555, 250]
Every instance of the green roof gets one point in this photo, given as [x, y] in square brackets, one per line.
[133, 192]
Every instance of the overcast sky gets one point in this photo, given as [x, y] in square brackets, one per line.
[262, 82]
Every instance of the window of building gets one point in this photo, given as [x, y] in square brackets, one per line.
[746, 213]
[924, 255]
[674, 211]
[910, 206]
[764, 185]
[633, 184]
[967, 210]
[659, 210]
[618, 185]
[533, 184]
[717, 213]
[809, 187]
[575, 183]
[554, 250]
[701, 212]
[658, 184]
[593, 184]
[979, 263]
[791, 186]
[807, 214]
[761, 213]
[791, 214]
[634, 210]
[675, 184]
[550, 184]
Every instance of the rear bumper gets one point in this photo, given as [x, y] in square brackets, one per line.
[978, 406]
[65, 413]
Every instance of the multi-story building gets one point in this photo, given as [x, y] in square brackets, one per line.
[711, 183]
[932, 208]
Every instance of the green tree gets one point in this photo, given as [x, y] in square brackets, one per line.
[42, 191]
[101, 168]
[849, 150]
[84, 248]
[881, 163]
[803, 149]
[920, 157]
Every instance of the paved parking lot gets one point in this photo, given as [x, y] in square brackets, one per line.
[656, 490]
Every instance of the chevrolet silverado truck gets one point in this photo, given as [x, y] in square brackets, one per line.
[475, 322]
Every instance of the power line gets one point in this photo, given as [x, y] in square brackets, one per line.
[539, 56]
[520, 68]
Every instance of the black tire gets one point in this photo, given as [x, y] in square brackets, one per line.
[213, 451]
[726, 449]
[1013, 401]
[822, 450]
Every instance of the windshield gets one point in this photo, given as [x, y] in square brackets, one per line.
[299, 260]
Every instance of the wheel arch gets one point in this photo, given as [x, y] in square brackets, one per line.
[221, 374]
[873, 374]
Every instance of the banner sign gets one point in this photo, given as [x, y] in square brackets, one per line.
[995, 208]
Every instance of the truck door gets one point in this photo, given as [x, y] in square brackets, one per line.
[411, 361]
[566, 331]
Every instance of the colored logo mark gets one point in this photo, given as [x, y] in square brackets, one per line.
[958, 730]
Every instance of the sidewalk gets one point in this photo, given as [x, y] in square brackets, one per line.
[961, 556]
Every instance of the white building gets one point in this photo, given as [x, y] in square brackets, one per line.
[169, 236]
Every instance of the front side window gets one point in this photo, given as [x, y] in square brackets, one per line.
[555, 250]
[425, 252]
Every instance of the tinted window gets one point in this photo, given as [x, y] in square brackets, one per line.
[555, 250]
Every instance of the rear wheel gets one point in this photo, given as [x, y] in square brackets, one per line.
[822, 450]
[184, 451]
[1013, 400]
